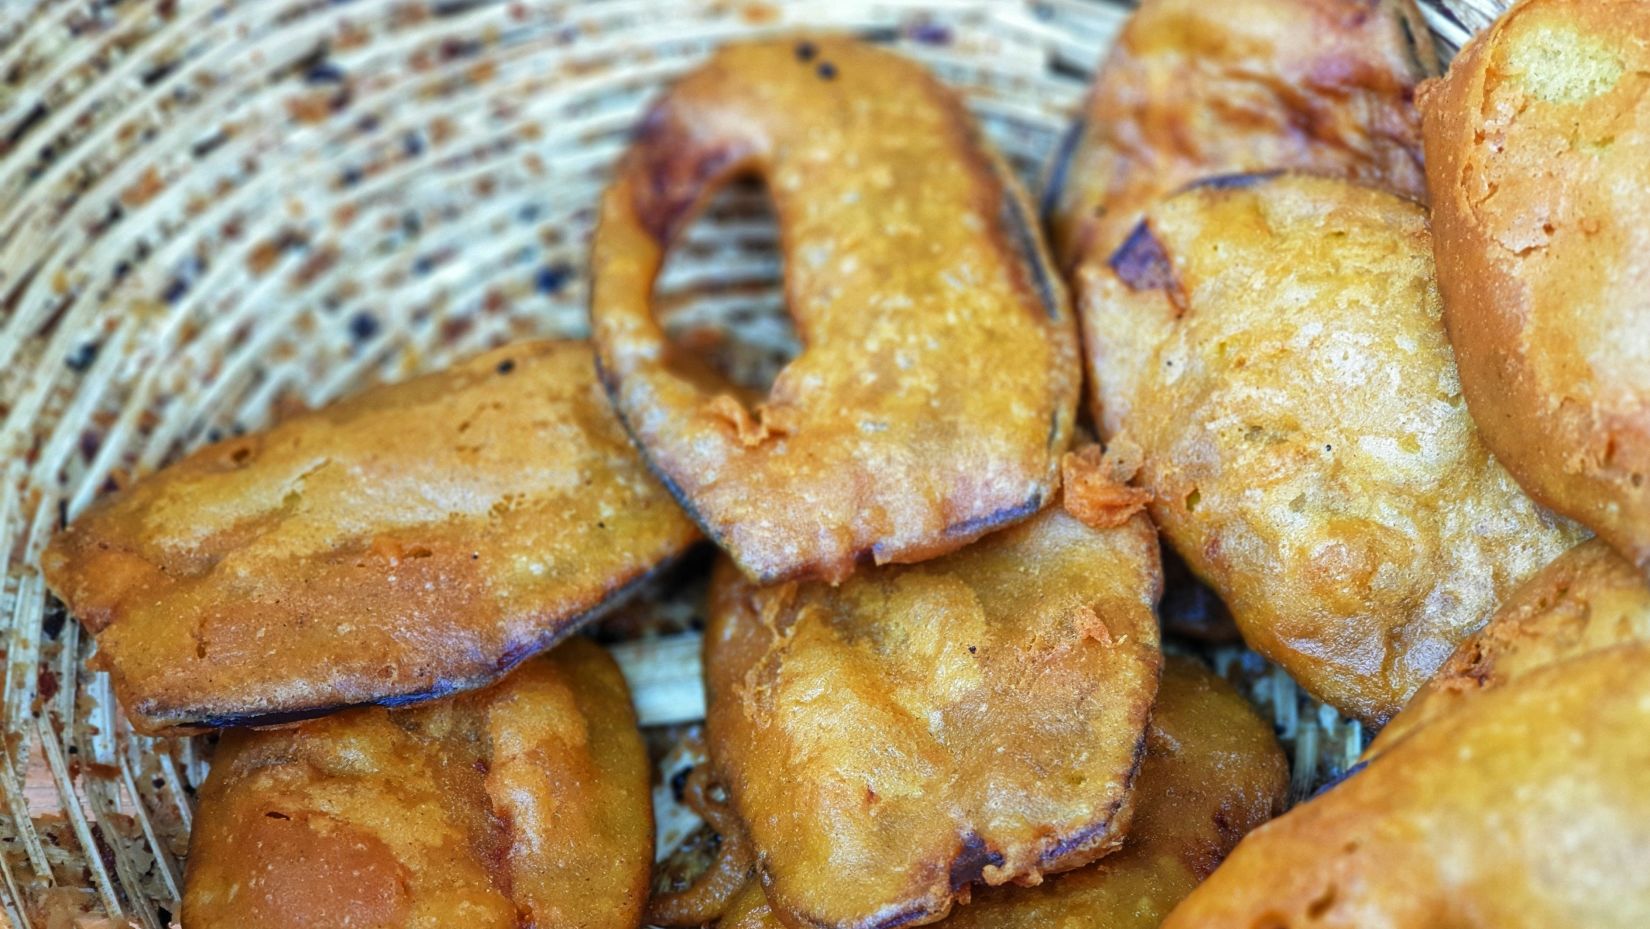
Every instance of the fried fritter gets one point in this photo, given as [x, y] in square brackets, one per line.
[1536, 147]
[977, 718]
[938, 384]
[1213, 771]
[1193, 89]
[1519, 804]
[1281, 362]
[522, 805]
[1587, 600]
[415, 540]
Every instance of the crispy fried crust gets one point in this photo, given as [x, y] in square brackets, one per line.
[1536, 147]
[1193, 89]
[1589, 599]
[1304, 435]
[1213, 771]
[978, 718]
[412, 541]
[1525, 808]
[525, 804]
[939, 379]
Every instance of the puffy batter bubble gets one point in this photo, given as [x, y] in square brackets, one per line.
[411, 541]
[1285, 373]
[979, 718]
[1536, 144]
[1192, 90]
[937, 384]
[1521, 807]
[525, 804]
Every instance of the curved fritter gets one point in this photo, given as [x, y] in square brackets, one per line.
[1536, 144]
[1526, 808]
[1589, 599]
[978, 718]
[411, 541]
[1213, 771]
[1193, 89]
[939, 379]
[1303, 431]
[522, 805]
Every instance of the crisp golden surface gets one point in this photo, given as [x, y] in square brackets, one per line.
[1213, 771]
[411, 541]
[939, 379]
[1193, 89]
[520, 806]
[1524, 808]
[1589, 599]
[1536, 144]
[979, 717]
[1303, 432]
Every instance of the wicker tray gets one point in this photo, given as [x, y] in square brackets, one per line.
[213, 212]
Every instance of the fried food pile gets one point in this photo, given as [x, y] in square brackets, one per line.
[934, 676]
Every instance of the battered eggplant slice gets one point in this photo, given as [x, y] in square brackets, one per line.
[1536, 146]
[977, 718]
[938, 382]
[1519, 804]
[1304, 438]
[1193, 89]
[1213, 771]
[415, 540]
[522, 805]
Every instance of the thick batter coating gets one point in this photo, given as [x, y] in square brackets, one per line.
[1525, 808]
[939, 379]
[411, 541]
[1537, 144]
[522, 806]
[1193, 89]
[1289, 381]
[1213, 771]
[1587, 600]
[977, 718]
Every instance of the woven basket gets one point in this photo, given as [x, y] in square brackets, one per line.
[214, 212]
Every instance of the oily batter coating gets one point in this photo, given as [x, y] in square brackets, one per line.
[1536, 147]
[918, 729]
[523, 805]
[412, 541]
[938, 381]
[1303, 431]
[1525, 808]
[1589, 599]
[1193, 89]
[1213, 771]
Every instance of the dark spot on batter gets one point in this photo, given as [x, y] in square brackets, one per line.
[805, 51]
[971, 861]
[826, 70]
[1141, 263]
[506, 366]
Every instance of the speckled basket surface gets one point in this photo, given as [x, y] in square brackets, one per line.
[214, 211]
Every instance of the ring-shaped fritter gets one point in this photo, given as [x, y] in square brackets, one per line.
[977, 718]
[525, 804]
[937, 385]
[1536, 145]
[1284, 369]
[414, 540]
